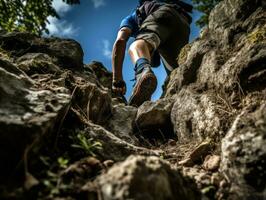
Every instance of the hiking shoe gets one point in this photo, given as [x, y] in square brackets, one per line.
[145, 85]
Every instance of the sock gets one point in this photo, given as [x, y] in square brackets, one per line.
[141, 62]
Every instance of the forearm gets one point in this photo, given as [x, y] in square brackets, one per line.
[118, 56]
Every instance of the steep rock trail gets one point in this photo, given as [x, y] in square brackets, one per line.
[63, 135]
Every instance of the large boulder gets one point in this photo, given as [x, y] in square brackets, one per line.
[147, 178]
[244, 153]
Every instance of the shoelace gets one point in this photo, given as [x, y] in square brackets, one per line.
[135, 78]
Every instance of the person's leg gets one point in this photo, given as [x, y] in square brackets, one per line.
[140, 49]
[140, 53]
[146, 82]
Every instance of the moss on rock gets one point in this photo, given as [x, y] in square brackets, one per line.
[258, 35]
[183, 54]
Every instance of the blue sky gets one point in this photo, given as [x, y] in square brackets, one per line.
[94, 24]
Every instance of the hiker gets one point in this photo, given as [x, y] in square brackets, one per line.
[160, 30]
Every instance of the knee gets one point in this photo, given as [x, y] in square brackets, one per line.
[139, 45]
[135, 46]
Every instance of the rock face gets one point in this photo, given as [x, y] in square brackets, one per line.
[26, 113]
[215, 73]
[196, 115]
[64, 135]
[66, 53]
[219, 92]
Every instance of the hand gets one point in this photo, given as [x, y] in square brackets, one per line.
[119, 87]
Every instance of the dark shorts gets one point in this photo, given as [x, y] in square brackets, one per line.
[167, 31]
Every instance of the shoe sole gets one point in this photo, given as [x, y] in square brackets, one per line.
[144, 90]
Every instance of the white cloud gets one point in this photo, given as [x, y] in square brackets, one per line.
[98, 3]
[61, 28]
[61, 7]
[107, 51]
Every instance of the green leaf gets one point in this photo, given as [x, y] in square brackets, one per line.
[28, 15]
[205, 7]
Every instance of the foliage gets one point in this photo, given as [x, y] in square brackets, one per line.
[89, 146]
[63, 162]
[28, 15]
[4, 54]
[53, 166]
[204, 6]
[51, 183]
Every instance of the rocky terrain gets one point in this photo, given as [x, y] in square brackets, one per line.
[64, 136]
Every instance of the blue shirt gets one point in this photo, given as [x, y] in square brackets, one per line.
[132, 23]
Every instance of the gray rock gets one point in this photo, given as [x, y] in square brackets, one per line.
[212, 62]
[93, 101]
[77, 174]
[102, 74]
[200, 176]
[243, 71]
[26, 114]
[148, 178]
[244, 153]
[187, 72]
[255, 20]
[228, 16]
[99, 106]
[120, 124]
[212, 162]
[197, 115]
[67, 52]
[229, 11]
[37, 63]
[154, 114]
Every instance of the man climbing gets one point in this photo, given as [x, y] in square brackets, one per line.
[161, 30]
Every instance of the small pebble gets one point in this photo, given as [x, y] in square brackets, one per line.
[108, 163]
